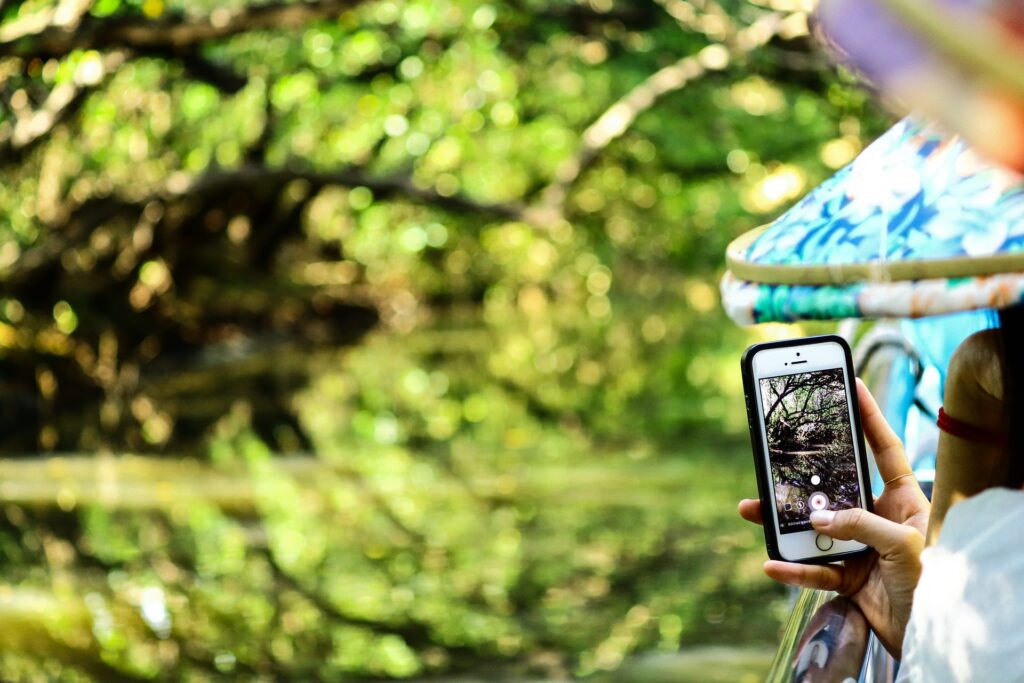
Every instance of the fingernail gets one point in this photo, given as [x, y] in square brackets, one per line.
[822, 516]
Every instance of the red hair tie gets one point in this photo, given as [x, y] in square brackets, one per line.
[968, 432]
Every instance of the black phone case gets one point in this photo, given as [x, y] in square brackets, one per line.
[764, 481]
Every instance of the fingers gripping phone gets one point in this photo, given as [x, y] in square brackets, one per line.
[808, 446]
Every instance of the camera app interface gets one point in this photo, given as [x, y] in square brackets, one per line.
[810, 445]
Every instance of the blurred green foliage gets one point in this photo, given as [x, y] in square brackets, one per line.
[418, 327]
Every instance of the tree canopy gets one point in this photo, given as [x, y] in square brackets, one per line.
[407, 309]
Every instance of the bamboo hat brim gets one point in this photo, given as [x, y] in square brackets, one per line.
[917, 225]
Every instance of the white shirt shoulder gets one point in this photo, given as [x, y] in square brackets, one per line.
[967, 623]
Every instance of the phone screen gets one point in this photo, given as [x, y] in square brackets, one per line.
[810, 445]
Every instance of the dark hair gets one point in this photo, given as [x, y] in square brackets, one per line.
[1011, 326]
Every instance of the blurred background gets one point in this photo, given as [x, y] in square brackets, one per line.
[353, 340]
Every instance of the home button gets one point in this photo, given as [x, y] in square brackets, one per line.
[823, 542]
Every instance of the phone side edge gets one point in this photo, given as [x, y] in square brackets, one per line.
[858, 430]
[757, 450]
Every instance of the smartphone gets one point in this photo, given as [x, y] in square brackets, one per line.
[808, 445]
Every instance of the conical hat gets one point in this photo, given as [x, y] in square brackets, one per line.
[917, 225]
[960, 62]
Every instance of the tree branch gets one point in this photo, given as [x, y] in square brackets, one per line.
[619, 117]
[256, 153]
[702, 16]
[249, 176]
[782, 393]
[222, 77]
[61, 104]
[253, 180]
[172, 33]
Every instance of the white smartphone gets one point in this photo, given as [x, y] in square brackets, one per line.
[808, 445]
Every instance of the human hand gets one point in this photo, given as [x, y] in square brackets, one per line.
[882, 582]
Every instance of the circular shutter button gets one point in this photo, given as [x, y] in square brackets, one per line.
[817, 501]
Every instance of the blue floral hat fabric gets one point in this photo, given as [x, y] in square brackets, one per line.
[917, 225]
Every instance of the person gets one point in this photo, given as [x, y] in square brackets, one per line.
[943, 588]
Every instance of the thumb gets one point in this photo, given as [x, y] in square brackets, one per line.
[892, 541]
